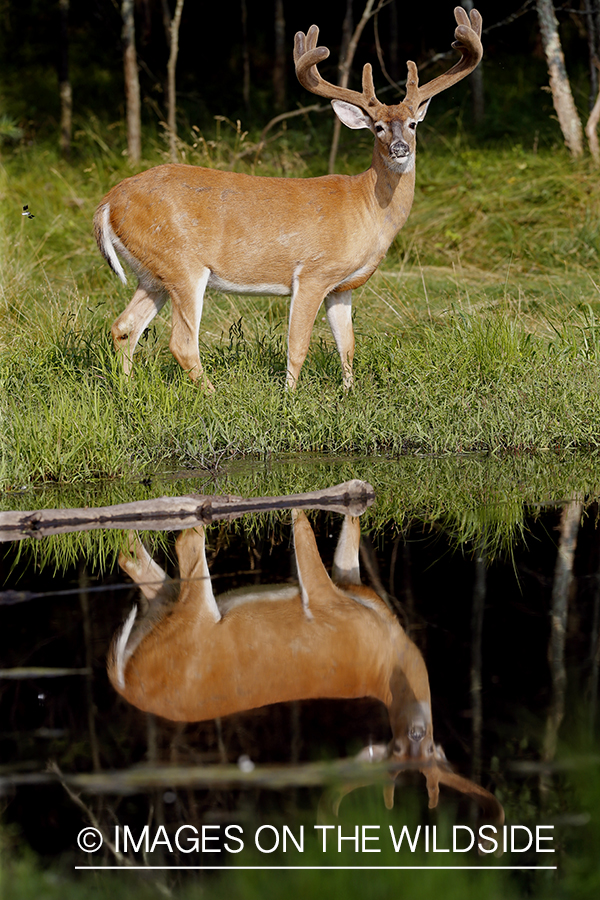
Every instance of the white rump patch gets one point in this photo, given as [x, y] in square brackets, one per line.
[121, 656]
[109, 239]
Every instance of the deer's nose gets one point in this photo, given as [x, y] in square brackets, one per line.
[399, 148]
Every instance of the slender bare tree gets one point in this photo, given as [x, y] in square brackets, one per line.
[477, 614]
[568, 117]
[591, 130]
[174, 24]
[592, 9]
[245, 56]
[592, 23]
[280, 57]
[476, 81]
[64, 82]
[561, 587]
[132, 83]
[345, 65]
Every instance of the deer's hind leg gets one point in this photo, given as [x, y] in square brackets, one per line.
[131, 324]
[187, 303]
[158, 596]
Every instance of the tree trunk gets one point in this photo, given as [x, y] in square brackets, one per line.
[592, 51]
[477, 613]
[561, 587]
[171, 66]
[568, 117]
[279, 62]
[245, 57]
[132, 84]
[394, 66]
[64, 83]
[591, 130]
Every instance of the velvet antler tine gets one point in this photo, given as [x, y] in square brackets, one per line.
[306, 58]
[312, 37]
[476, 22]
[368, 88]
[299, 45]
[461, 16]
[412, 86]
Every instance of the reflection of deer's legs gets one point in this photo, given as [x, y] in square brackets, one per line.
[312, 575]
[154, 583]
[131, 324]
[346, 568]
[339, 316]
[196, 587]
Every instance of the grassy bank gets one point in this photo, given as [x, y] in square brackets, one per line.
[480, 333]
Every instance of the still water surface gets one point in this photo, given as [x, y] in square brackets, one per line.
[246, 681]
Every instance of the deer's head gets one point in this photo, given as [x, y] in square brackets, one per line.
[394, 126]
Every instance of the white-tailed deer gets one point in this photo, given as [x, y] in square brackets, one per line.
[182, 229]
[192, 656]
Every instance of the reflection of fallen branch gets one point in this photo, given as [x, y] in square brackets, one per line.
[176, 513]
[40, 672]
[548, 767]
[140, 778]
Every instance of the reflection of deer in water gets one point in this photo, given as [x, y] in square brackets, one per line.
[192, 657]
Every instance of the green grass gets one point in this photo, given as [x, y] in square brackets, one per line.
[480, 332]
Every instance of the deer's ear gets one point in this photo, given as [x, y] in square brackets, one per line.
[350, 115]
[422, 110]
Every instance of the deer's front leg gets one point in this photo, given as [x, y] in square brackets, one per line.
[346, 566]
[196, 587]
[316, 586]
[306, 300]
[339, 316]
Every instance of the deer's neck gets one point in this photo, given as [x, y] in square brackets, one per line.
[392, 195]
[410, 696]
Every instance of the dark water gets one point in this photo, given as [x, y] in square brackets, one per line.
[510, 643]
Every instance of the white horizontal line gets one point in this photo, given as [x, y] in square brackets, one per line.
[316, 868]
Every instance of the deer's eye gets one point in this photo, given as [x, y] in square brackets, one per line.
[379, 128]
[412, 125]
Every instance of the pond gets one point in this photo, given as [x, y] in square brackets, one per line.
[280, 685]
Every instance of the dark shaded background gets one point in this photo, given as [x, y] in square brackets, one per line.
[210, 63]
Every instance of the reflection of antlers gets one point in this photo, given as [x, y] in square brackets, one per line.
[438, 772]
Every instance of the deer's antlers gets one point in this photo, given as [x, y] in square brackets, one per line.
[307, 56]
[468, 41]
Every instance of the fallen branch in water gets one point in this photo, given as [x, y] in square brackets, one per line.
[176, 513]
